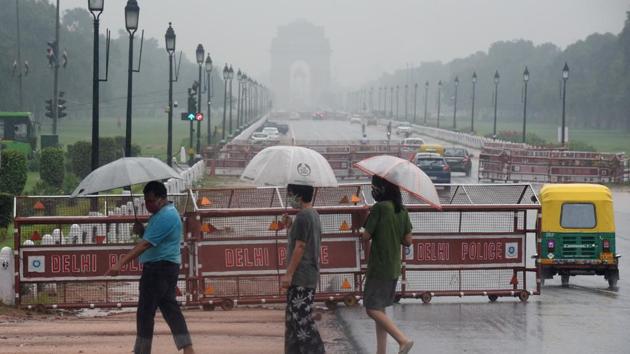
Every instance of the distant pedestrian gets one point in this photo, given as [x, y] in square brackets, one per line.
[301, 335]
[160, 254]
[388, 226]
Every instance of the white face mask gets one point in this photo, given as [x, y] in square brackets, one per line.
[293, 202]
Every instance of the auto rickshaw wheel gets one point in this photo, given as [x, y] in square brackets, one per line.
[523, 296]
[612, 283]
[227, 305]
[350, 301]
[331, 304]
[564, 279]
[426, 298]
[493, 298]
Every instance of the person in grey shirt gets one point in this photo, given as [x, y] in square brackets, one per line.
[301, 335]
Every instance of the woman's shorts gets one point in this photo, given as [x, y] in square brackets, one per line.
[379, 293]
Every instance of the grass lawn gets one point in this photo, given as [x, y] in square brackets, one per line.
[602, 140]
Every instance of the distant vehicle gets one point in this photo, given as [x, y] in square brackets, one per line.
[403, 130]
[355, 120]
[435, 166]
[282, 128]
[372, 121]
[272, 133]
[412, 143]
[458, 159]
[318, 116]
[437, 148]
[294, 116]
[258, 138]
[17, 133]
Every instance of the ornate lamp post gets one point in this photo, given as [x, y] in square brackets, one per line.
[226, 77]
[96, 8]
[200, 55]
[415, 101]
[391, 101]
[230, 77]
[472, 115]
[132, 13]
[438, 99]
[406, 102]
[496, 96]
[565, 77]
[525, 80]
[209, 81]
[170, 49]
[239, 80]
[397, 102]
[456, 82]
[426, 101]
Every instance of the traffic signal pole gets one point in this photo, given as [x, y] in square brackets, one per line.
[56, 74]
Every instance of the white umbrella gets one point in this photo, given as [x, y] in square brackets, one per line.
[124, 172]
[404, 174]
[282, 165]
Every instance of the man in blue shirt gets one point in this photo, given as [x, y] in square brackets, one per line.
[160, 255]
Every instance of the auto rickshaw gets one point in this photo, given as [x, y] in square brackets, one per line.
[578, 232]
[436, 148]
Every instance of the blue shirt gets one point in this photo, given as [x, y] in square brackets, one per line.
[164, 233]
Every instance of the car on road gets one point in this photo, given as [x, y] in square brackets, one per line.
[272, 133]
[403, 130]
[458, 159]
[435, 166]
[356, 120]
[412, 144]
[282, 128]
[258, 138]
[372, 121]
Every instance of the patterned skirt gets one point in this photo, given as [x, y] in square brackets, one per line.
[301, 335]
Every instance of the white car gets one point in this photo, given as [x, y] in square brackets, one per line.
[403, 130]
[412, 143]
[272, 133]
[354, 120]
[257, 138]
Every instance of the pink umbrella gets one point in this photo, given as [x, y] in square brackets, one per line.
[404, 174]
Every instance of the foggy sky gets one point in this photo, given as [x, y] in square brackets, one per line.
[367, 37]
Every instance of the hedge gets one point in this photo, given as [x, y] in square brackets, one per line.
[12, 172]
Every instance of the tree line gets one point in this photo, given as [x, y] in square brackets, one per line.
[598, 88]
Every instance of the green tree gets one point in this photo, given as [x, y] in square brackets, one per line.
[52, 167]
[12, 172]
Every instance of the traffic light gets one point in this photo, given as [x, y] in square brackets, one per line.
[61, 105]
[49, 109]
[199, 116]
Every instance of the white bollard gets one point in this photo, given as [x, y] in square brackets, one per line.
[7, 276]
[57, 236]
[74, 236]
[47, 239]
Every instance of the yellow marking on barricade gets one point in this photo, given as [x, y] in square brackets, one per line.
[205, 202]
[344, 226]
[209, 228]
[355, 199]
[346, 284]
[276, 226]
[209, 290]
[514, 280]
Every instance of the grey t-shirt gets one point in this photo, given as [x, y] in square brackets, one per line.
[306, 227]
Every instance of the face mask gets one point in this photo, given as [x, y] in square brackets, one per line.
[293, 201]
[377, 193]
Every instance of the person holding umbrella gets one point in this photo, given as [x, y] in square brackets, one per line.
[160, 255]
[388, 226]
[302, 275]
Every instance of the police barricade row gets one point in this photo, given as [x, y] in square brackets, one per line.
[519, 162]
[235, 247]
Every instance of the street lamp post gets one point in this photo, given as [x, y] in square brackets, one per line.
[406, 102]
[426, 101]
[239, 79]
[230, 77]
[96, 8]
[415, 101]
[472, 114]
[525, 80]
[226, 77]
[397, 102]
[210, 93]
[391, 101]
[565, 77]
[496, 96]
[132, 13]
[455, 104]
[170, 48]
[200, 54]
[438, 103]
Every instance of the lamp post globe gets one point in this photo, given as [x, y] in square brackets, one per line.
[199, 53]
[132, 13]
[208, 64]
[565, 77]
[496, 96]
[565, 71]
[169, 38]
[96, 6]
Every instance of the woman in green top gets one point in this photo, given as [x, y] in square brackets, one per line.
[388, 226]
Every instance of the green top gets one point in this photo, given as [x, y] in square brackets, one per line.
[388, 230]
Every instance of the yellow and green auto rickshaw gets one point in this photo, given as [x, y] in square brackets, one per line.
[578, 232]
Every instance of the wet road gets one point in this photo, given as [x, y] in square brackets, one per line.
[586, 317]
